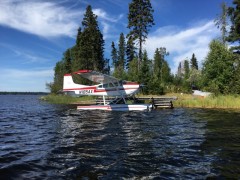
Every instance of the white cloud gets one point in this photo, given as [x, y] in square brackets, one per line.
[25, 80]
[182, 43]
[108, 23]
[50, 19]
[103, 15]
[46, 19]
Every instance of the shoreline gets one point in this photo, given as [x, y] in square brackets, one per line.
[182, 101]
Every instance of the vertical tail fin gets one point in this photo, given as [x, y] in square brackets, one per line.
[69, 85]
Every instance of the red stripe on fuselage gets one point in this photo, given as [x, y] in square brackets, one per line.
[99, 90]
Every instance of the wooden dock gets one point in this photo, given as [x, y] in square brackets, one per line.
[159, 102]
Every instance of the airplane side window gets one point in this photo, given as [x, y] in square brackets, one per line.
[105, 85]
[100, 86]
[111, 85]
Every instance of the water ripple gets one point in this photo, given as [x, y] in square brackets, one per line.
[43, 141]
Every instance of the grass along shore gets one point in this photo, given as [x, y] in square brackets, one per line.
[221, 101]
[183, 100]
[63, 99]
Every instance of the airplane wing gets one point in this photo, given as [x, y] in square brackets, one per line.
[96, 76]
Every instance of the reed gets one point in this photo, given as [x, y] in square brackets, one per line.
[221, 101]
[63, 99]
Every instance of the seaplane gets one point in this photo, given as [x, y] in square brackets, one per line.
[113, 91]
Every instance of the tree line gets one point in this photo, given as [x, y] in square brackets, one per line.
[220, 72]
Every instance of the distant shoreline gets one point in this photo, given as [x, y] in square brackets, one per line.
[23, 93]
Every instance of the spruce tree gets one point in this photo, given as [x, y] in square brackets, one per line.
[133, 70]
[121, 55]
[78, 36]
[157, 64]
[140, 20]
[91, 43]
[160, 70]
[130, 51]
[67, 61]
[75, 53]
[193, 62]
[57, 84]
[179, 71]
[114, 56]
[186, 69]
[166, 73]
[145, 73]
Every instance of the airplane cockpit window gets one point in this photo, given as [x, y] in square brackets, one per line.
[100, 86]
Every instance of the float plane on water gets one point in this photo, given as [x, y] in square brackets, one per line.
[108, 86]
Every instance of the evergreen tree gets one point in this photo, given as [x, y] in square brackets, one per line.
[91, 43]
[130, 52]
[161, 71]
[157, 64]
[179, 71]
[186, 69]
[140, 19]
[62, 67]
[145, 73]
[166, 73]
[234, 34]
[121, 55]
[218, 68]
[78, 37]
[133, 70]
[114, 56]
[76, 62]
[186, 84]
[57, 84]
[67, 61]
[194, 63]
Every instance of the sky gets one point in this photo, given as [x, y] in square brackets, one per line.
[34, 34]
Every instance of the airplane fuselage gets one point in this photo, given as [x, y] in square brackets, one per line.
[99, 90]
[111, 87]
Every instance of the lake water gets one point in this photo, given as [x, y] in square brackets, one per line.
[43, 141]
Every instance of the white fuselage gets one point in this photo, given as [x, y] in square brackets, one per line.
[116, 89]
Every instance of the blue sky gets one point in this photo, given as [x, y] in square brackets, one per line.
[35, 33]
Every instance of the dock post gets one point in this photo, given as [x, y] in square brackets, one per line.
[153, 104]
